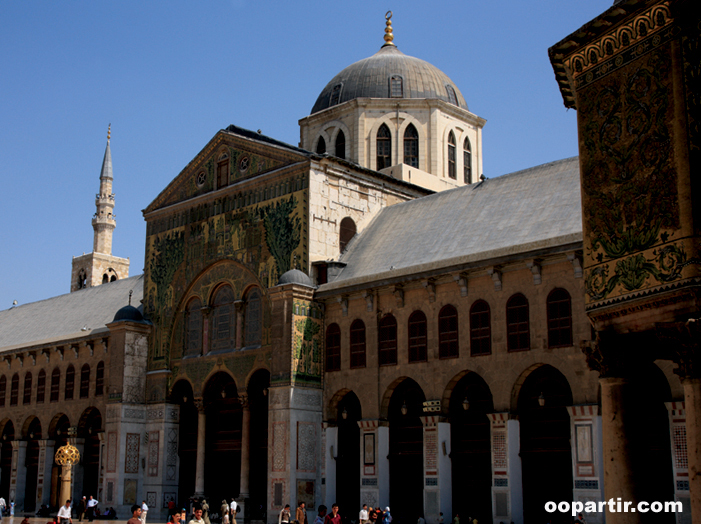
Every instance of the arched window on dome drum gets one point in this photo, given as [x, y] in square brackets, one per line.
[451, 156]
[357, 344]
[559, 318]
[467, 160]
[346, 233]
[3, 390]
[14, 390]
[518, 335]
[193, 327]
[396, 86]
[480, 329]
[41, 387]
[341, 145]
[452, 98]
[85, 381]
[321, 146]
[448, 332]
[411, 146]
[417, 337]
[335, 95]
[254, 318]
[55, 384]
[333, 348]
[27, 397]
[70, 383]
[223, 319]
[100, 379]
[384, 147]
[387, 340]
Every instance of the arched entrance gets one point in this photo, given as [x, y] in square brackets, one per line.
[58, 432]
[348, 457]
[187, 440]
[258, 437]
[406, 468]
[89, 427]
[470, 438]
[546, 455]
[33, 435]
[8, 435]
[222, 464]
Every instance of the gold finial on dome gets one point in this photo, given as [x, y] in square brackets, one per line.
[389, 37]
[109, 131]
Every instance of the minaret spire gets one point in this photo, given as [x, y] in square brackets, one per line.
[389, 36]
[103, 222]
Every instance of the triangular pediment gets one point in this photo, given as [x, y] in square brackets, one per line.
[235, 155]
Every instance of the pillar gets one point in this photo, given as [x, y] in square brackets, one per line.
[66, 482]
[199, 469]
[78, 471]
[692, 402]
[330, 454]
[19, 473]
[587, 458]
[438, 491]
[507, 492]
[679, 450]
[374, 464]
[46, 461]
[245, 446]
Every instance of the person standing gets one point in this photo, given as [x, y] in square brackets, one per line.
[320, 515]
[333, 517]
[205, 512]
[144, 511]
[284, 516]
[301, 514]
[80, 512]
[234, 507]
[387, 517]
[224, 512]
[363, 515]
[3, 505]
[12, 508]
[135, 514]
[64, 514]
[197, 517]
[90, 511]
[439, 520]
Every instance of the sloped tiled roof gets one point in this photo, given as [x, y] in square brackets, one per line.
[73, 315]
[530, 210]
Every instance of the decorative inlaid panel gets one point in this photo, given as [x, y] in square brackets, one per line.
[153, 449]
[279, 446]
[306, 446]
[499, 449]
[681, 460]
[430, 451]
[111, 452]
[131, 460]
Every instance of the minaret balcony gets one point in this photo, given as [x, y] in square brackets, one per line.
[104, 221]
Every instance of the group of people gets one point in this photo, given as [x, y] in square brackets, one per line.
[200, 512]
[4, 508]
[374, 515]
[86, 509]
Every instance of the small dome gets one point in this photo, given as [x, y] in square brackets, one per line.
[295, 276]
[389, 73]
[128, 313]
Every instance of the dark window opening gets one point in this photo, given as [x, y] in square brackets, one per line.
[559, 318]
[418, 348]
[357, 344]
[223, 173]
[335, 95]
[55, 384]
[41, 387]
[411, 146]
[223, 319]
[70, 383]
[346, 233]
[3, 391]
[100, 379]
[451, 156]
[85, 381]
[341, 145]
[27, 397]
[387, 340]
[14, 390]
[467, 161]
[396, 86]
[448, 345]
[333, 348]
[518, 336]
[321, 146]
[480, 329]
[384, 147]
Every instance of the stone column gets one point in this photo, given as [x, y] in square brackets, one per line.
[438, 491]
[78, 473]
[199, 468]
[587, 459]
[374, 473]
[245, 445]
[239, 323]
[46, 461]
[507, 490]
[680, 464]
[67, 456]
[330, 454]
[19, 473]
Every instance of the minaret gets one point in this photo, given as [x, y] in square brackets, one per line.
[100, 267]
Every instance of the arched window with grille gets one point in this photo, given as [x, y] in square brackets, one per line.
[41, 387]
[14, 390]
[3, 390]
[333, 348]
[193, 327]
[448, 346]
[27, 397]
[85, 381]
[452, 97]
[357, 344]
[451, 156]
[480, 329]
[518, 333]
[384, 147]
[254, 318]
[341, 144]
[321, 146]
[396, 86]
[347, 231]
[223, 319]
[387, 340]
[223, 171]
[55, 384]
[100, 379]
[70, 383]
[418, 348]
[467, 161]
[559, 318]
[411, 146]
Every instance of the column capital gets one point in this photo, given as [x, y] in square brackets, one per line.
[682, 342]
[199, 404]
[615, 354]
[583, 410]
[372, 424]
[432, 420]
[499, 418]
[244, 401]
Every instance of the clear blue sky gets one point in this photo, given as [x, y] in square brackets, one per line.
[169, 75]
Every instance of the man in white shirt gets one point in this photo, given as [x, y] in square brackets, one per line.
[64, 514]
[92, 503]
[144, 510]
[234, 509]
[363, 515]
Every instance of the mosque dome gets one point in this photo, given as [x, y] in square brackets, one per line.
[389, 73]
[295, 276]
[129, 313]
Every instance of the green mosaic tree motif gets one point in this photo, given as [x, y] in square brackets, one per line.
[283, 231]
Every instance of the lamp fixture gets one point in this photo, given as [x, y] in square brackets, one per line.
[465, 404]
[404, 408]
[541, 400]
[344, 413]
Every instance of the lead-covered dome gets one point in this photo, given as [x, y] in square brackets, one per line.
[389, 73]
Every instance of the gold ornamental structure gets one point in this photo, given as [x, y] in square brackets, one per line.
[66, 456]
